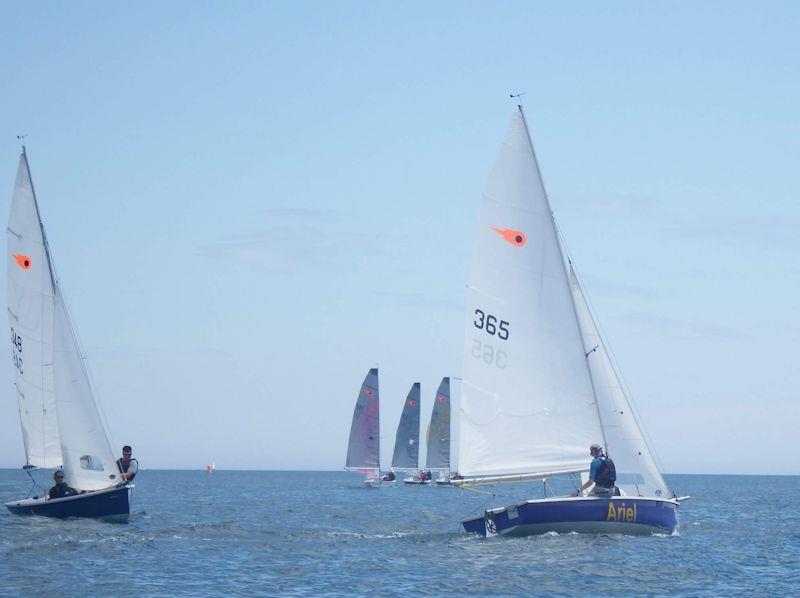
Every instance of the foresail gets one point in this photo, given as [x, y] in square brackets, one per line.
[363, 449]
[637, 472]
[526, 398]
[406, 442]
[438, 453]
[89, 462]
[30, 314]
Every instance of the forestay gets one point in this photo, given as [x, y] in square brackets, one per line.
[30, 314]
[637, 473]
[438, 446]
[363, 449]
[527, 404]
[406, 442]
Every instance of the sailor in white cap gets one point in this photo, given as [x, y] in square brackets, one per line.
[602, 474]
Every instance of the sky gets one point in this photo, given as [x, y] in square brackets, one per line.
[250, 204]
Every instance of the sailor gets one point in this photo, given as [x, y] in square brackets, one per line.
[389, 477]
[60, 490]
[127, 466]
[602, 474]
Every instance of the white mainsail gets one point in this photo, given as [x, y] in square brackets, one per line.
[30, 314]
[527, 404]
[52, 374]
[637, 472]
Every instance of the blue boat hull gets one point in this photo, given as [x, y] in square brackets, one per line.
[618, 515]
[112, 504]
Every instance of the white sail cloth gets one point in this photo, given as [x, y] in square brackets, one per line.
[89, 463]
[527, 403]
[60, 421]
[30, 314]
[637, 473]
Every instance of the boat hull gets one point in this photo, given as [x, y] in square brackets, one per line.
[416, 482]
[591, 515]
[112, 504]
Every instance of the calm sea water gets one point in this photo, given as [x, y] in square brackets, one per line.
[309, 533]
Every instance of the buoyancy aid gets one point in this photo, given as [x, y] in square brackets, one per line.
[607, 474]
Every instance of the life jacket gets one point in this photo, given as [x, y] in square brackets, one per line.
[607, 474]
[124, 468]
[61, 490]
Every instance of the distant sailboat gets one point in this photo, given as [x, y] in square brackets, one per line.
[60, 422]
[538, 385]
[406, 442]
[438, 436]
[211, 468]
[363, 448]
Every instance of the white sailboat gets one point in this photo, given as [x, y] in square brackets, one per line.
[538, 384]
[438, 435]
[363, 448]
[60, 422]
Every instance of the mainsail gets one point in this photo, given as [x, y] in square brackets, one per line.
[363, 449]
[637, 473]
[539, 385]
[527, 404]
[438, 453]
[30, 314]
[406, 442]
[60, 420]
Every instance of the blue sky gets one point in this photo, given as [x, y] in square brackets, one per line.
[250, 204]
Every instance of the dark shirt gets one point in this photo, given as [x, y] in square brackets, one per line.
[61, 490]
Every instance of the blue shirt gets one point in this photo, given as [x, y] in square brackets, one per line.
[594, 469]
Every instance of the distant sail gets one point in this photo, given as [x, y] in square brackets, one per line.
[637, 472]
[438, 454]
[363, 449]
[406, 444]
[30, 314]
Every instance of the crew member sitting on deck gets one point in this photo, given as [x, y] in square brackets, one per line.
[60, 490]
[389, 476]
[127, 466]
[602, 474]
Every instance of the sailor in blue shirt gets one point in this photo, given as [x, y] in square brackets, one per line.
[602, 474]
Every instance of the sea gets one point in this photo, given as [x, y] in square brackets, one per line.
[283, 533]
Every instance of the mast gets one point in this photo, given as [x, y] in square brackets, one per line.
[564, 258]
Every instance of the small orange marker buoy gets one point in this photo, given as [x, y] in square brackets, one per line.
[24, 261]
[515, 237]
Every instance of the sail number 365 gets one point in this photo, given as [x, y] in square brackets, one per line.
[489, 323]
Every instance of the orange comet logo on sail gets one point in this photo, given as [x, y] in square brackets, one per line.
[515, 237]
[23, 261]
[412, 403]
